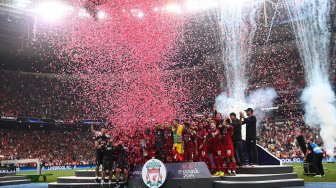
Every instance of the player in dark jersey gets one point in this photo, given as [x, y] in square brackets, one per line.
[159, 142]
[100, 144]
[228, 149]
[122, 162]
[109, 160]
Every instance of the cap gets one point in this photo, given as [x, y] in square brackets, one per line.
[249, 109]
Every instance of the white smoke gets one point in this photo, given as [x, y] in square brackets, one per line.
[320, 111]
[310, 20]
[257, 100]
[237, 21]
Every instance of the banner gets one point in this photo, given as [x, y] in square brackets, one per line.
[301, 160]
[8, 118]
[50, 168]
[186, 170]
[292, 160]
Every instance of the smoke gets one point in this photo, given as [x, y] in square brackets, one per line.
[310, 20]
[320, 111]
[258, 99]
[237, 21]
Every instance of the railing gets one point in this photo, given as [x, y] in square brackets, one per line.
[22, 161]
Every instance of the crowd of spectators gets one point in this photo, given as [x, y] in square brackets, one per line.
[279, 137]
[37, 95]
[56, 147]
[46, 96]
[75, 147]
[283, 71]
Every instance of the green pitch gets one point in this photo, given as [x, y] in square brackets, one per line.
[54, 176]
[330, 171]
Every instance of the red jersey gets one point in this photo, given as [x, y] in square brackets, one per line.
[169, 141]
[149, 139]
[214, 141]
[228, 132]
[201, 135]
[189, 140]
[202, 152]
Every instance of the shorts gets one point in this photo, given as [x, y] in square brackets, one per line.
[122, 165]
[189, 155]
[228, 151]
[217, 151]
[160, 154]
[203, 156]
[109, 165]
[99, 158]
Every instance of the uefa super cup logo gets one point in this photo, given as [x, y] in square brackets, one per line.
[154, 173]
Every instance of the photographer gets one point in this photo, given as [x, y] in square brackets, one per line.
[317, 158]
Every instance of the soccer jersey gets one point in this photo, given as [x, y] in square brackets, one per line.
[189, 140]
[102, 140]
[228, 132]
[109, 152]
[168, 140]
[150, 145]
[215, 144]
[178, 142]
[202, 151]
[122, 157]
[109, 157]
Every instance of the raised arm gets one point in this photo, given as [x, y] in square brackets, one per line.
[225, 122]
[241, 118]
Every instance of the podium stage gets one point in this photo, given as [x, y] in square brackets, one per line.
[10, 178]
[196, 176]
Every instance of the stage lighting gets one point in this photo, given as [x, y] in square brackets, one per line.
[138, 13]
[200, 5]
[52, 10]
[236, 2]
[83, 13]
[174, 8]
[156, 9]
[101, 15]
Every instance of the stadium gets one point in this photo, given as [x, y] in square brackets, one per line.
[170, 93]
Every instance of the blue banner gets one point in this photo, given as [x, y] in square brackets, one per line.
[301, 160]
[49, 168]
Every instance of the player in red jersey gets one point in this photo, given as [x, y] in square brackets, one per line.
[190, 144]
[216, 148]
[202, 144]
[228, 149]
[168, 136]
[148, 145]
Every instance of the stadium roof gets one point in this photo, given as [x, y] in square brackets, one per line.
[19, 50]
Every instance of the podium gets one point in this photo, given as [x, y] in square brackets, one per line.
[187, 174]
